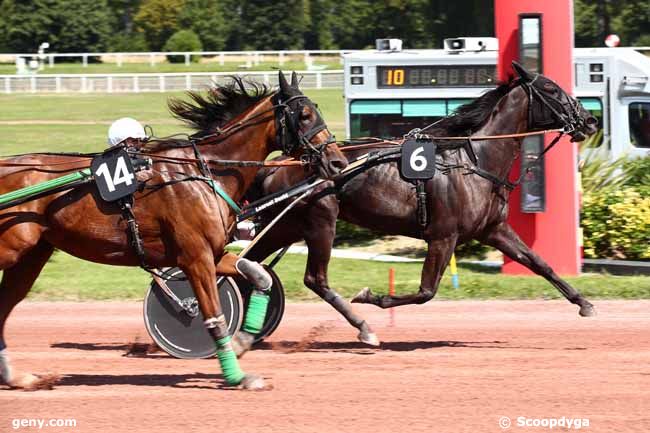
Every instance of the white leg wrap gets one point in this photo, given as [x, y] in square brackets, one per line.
[5, 368]
[255, 273]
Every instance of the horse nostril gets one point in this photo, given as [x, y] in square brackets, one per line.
[591, 121]
[337, 165]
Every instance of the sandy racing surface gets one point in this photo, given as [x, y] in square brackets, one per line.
[445, 367]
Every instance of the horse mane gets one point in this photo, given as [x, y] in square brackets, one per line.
[205, 114]
[471, 116]
[221, 104]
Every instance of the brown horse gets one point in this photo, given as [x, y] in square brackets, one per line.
[182, 222]
[468, 201]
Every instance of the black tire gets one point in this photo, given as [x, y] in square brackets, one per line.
[276, 305]
[177, 332]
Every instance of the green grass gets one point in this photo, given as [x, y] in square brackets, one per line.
[146, 68]
[80, 122]
[68, 278]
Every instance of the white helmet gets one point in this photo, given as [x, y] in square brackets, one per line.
[124, 128]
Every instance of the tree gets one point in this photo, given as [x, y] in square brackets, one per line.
[271, 26]
[69, 26]
[206, 19]
[158, 20]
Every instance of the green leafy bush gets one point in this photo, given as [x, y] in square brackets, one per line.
[183, 40]
[616, 223]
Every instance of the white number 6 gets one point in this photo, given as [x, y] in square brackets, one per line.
[417, 161]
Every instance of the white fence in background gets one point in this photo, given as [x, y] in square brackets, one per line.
[250, 57]
[162, 82]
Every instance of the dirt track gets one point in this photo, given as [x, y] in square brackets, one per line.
[445, 367]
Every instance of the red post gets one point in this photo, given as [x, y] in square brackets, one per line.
[391, 292]
[553, 234]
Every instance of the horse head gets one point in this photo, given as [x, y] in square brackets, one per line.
[302, 132]
[551, 107]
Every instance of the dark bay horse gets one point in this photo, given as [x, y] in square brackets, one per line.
[182, 221]
[461, 206]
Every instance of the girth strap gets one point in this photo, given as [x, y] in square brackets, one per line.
[421, 195]
[126, 205]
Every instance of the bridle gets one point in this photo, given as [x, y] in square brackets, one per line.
[289, 134]
[549, 111]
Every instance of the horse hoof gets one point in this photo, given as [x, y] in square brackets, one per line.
[587, 311]
[242, 343]
[363, 296]
[30, 382]
[369, 338]
[252, 382]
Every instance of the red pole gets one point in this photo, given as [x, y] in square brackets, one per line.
[391, 292]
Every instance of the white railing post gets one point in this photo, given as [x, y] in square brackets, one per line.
[85, 60]
[7, 85]
[136, 84]
[281, 59]
[57, 84]
[319, 80]
[187, 60]
[50, 60]
[222, 59]
[109, 84]
[152, 60]
[32, 84]
[307, 58]
[119, 60]
[188, 82]
[83, 84]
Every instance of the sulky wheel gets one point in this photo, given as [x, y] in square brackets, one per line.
[276, 305]
[175, 323]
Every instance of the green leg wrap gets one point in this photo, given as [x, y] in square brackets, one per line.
[256, 313]
[229, 363]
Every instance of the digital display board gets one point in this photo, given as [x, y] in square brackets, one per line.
[409, 77]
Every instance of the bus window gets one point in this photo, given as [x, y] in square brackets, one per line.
[639, 113]
[595, 107]
[394, 118]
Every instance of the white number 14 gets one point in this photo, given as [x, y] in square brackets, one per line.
[122, 174]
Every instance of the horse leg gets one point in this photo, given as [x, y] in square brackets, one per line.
[438, 256]
[504, 238]
[201, 273]
[16, 282]
[319, 241]
[232, 265]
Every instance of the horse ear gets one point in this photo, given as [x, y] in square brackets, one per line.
[294, 80]
[284, 86]
[522, 72]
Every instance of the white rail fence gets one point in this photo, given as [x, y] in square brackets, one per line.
[221, 57]
[161, 82]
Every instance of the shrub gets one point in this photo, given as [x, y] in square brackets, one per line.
[128, 43]
[616, 223]
[183, 40]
